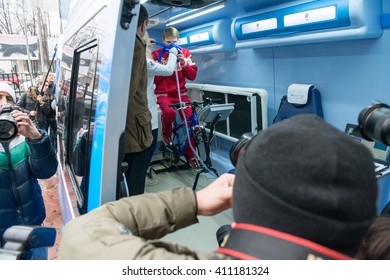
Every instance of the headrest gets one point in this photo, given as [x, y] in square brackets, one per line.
[298, 94]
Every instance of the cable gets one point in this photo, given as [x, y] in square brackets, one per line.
[184, 115]
[202, 164]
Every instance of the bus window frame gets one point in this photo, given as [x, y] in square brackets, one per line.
[70, 141]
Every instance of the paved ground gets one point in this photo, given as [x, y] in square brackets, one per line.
[53, 212]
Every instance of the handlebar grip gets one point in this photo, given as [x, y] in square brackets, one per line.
[210, 101]
[175, 105]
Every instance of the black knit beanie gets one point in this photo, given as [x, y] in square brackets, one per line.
[304, 177]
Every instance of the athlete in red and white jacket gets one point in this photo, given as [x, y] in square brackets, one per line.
[166, 88]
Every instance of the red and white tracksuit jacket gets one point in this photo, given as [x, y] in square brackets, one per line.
[167, 92]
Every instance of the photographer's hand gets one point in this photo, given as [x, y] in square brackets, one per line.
[217, 196]
[25, 126]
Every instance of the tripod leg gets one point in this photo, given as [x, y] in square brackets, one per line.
[197, 178]
[215, 171]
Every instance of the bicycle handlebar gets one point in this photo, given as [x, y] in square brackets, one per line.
[177, 105]
[195, 103]
[210, 101]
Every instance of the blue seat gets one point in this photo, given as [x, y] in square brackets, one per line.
[300, 99]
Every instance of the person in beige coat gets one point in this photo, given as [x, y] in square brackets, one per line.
[289, 202]
[138, 132]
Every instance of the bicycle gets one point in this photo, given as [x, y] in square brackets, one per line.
[182, 133]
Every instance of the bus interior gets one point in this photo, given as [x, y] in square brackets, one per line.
[250, 54]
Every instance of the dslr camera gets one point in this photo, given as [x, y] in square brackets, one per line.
[374, 123]
[239, 147]
[8, 127]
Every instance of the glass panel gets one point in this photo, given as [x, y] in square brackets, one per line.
[77, 94]
[240, 118]
[81, 122]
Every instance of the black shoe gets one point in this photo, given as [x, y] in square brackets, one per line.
[175, 152]
[193, 163]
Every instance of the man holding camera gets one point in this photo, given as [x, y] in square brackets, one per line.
[302, 190]
[24, 157]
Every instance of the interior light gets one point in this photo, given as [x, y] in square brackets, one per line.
[311, 16]
[183, 14]
[143, 1]
[197, 14]
[260, 25]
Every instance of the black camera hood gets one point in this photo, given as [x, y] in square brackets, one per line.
[8, 127]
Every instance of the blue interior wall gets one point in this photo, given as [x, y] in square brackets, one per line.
[349, 74]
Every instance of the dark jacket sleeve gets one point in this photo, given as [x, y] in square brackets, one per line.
[46, 108]
[42, 160]
[62, 107]
[21, 104]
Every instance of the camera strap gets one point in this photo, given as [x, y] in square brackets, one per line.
[252, 242]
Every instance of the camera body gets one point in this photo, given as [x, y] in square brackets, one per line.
[8, 127]
[374, 123]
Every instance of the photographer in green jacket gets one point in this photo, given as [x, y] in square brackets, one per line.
[25, 155]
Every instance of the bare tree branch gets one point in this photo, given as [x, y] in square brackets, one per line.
[11, 18]
[5, 18]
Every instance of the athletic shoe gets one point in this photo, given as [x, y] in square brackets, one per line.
[193, 162]
[166, 140]
[150, 181]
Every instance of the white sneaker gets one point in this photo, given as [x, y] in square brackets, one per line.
[150, 181]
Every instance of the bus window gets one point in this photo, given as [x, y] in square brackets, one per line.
[82, 98]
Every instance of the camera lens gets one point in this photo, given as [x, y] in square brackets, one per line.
[374, 123]
[221, 233]
[239, 147]
[8, 128]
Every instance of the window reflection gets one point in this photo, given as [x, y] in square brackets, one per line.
[82, 98]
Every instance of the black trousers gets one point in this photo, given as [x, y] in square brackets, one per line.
[136, 172]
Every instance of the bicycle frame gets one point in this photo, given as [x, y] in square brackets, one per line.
[194, 130]
[179, 125]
